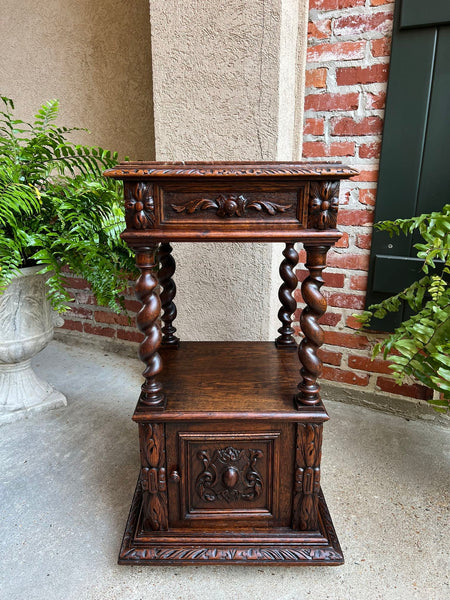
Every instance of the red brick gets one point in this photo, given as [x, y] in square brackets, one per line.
[366, 175]
[363, 363]
[380, 2]
[133, 305]
[355, 217]
[343, 242]
[73, 325]
[131, 336]
[332, 102]
[371, 150]
[342, 376]
[337, 51]
[367, 196]
[346, 340]
[331, 279]
[105, 331]
[346, 300]
[313, 149]
[414, 391]
[375, 100]
[314, 127]
[364, 240]
[348, 126]
[359, 75]
[330, 318]
[320, 29]
[329, 357]
[358, 282]
[111, 318]
[316, 78]
[381, 47]
[334, 4]
[348, 261]
[341, 149]
[353, 323]
[76, 283]
[80, 311]
[379, 22]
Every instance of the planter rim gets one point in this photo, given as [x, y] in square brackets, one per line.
[27, 271]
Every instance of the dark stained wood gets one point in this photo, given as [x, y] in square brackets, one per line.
[168, 291]
[316, 306]
[230, 467]
[147, 321]
[229, 380]
[288, 302]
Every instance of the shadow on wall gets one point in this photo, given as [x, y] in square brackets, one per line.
[95, 57]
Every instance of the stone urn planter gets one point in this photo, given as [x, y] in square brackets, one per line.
[26, 327]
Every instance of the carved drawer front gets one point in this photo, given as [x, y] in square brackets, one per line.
[232, 206]
[223, 476]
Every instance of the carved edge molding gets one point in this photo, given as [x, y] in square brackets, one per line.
[323, 204]
[230, 206]
[230, 171]
[131, 552]
[139, 206]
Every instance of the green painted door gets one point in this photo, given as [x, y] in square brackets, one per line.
[415, 154]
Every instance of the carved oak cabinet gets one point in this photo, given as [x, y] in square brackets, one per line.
[230, 432]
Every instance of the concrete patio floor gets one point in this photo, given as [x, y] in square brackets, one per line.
[68, 476]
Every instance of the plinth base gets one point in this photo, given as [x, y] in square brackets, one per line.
[280, 547]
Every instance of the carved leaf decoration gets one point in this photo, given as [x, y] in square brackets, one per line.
[230, 206]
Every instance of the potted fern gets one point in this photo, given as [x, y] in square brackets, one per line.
[56, 210]
[420, 346]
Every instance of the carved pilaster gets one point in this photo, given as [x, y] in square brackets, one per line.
[316, 306]
[147, 321]
[168, 291]
[305, 508]
[153, 477]
[288, 303]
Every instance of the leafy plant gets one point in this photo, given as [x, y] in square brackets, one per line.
[57, 209]
[420, 346]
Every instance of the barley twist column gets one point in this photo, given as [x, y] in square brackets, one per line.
[147, 321]
[316, 306]
[288, 303]
[168, 291]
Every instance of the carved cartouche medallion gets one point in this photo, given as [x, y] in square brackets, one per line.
[230, 475]
[139, 206]
[323, 204]
[230, 206]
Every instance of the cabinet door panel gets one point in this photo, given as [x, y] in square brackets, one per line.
[235, 476]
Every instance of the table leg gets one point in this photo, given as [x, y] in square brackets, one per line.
[316, 306]
[147, 321]
[168, 291]
[288, 303]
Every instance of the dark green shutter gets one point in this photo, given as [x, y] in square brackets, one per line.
[415, 154]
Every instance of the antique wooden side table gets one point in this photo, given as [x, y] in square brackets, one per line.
[230, 449]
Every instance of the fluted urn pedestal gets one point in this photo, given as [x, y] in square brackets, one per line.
[26, 327]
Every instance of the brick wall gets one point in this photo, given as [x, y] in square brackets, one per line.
[347, 71]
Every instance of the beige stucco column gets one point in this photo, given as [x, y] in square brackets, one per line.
[227, 85]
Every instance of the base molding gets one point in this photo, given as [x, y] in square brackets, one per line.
[182, 548]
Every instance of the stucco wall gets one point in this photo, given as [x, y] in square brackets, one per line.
[217, 67]
[95, 57]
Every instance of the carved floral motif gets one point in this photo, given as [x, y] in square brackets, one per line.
[230, 206]
[230, 475]
[323, 204]
[139, 206]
